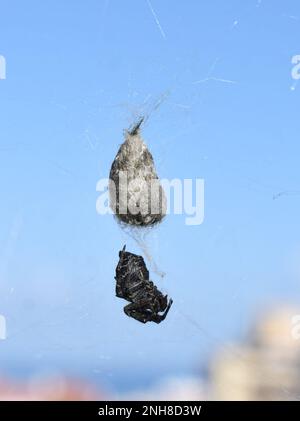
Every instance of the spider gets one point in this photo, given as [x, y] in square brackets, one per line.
[133, 284]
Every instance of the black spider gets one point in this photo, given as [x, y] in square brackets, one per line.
[133, 284]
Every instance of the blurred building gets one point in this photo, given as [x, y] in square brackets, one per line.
[266, 367]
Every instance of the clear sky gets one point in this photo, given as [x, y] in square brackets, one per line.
[78, 73]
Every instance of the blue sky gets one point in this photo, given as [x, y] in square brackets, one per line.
[78, 73]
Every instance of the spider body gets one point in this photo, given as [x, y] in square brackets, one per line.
[133, 284]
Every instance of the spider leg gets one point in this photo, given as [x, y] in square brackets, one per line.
[139, 311]
[157, 318]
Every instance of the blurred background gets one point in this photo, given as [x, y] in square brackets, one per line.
[219, 83]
